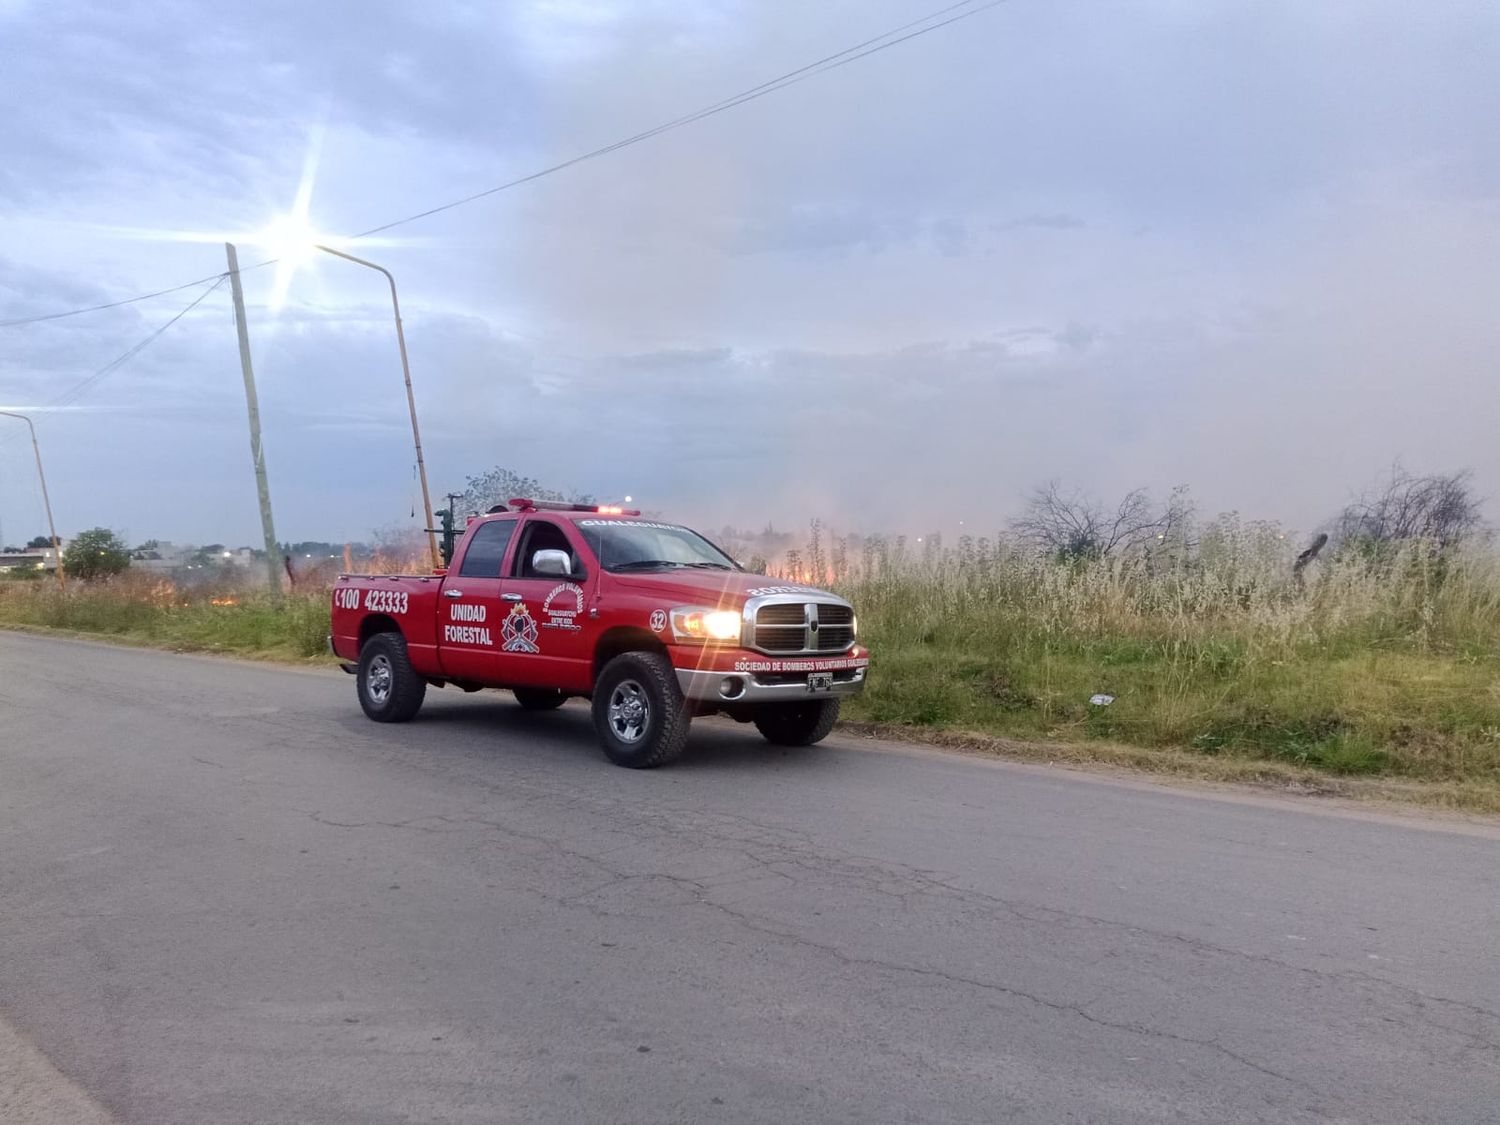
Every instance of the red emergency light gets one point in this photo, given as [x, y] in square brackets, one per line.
[521, 504]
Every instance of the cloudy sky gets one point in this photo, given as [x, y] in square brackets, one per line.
[1252, 246]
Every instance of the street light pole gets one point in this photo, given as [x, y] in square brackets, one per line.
[411, 402]
[62, 580]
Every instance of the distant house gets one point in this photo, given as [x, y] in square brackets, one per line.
[33, 558]
[160, 558]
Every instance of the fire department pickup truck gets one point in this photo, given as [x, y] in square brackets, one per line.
[649, 620]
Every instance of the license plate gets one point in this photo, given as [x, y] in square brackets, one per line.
[820, 681]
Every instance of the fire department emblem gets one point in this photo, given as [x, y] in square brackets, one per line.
[518, 631]
[563, 604]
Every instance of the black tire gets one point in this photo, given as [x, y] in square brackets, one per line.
[797, 724]
[389, 690]
[539, 699]
[640, 686]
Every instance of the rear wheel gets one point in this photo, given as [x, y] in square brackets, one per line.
[389, 690]
[539, 699]
[797, 724]
[639, 713]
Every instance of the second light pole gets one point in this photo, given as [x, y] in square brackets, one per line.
[411, 402]
[62, 580]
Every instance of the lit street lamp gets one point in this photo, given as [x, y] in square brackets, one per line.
[411, 402]
[46, 502]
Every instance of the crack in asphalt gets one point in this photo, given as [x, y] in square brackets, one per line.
[1007, 990]
[798, 854]
[872, 875]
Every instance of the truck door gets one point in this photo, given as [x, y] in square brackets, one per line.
[470, 609]
[547, 639]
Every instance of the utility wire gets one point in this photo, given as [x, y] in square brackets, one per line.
[109, 304]
[73, 393]
[791, 78]
[897, 35]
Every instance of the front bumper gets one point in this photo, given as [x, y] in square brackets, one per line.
[751, 678]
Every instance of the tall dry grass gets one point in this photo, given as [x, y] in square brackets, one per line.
[1382, 661]
[227, 616]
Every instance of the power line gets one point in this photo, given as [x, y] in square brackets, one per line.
[791, 78]
[109, 304]
[73, 393]
[886, 40]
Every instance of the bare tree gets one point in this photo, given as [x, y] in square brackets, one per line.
[1440, 507]
[499, 485]
[1307, 557]
[1071, 525]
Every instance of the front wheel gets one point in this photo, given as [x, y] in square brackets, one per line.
[639, 711]
[797, 724]
[389, 689]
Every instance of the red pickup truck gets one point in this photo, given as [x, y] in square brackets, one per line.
[648, 619]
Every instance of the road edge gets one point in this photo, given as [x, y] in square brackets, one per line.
[33, 1091]
[1175, 768]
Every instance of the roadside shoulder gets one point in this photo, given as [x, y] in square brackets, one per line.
[1473, 803]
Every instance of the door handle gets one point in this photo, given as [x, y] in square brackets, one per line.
[450, 592]
[510, 597]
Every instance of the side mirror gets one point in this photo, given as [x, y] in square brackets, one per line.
[555, 563]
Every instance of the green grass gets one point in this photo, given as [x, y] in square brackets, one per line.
[155, 614]
[1389, 669]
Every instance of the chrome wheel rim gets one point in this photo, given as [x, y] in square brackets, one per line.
[378, 677]
[629, 712]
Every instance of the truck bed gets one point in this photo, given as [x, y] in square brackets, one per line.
[409, 600]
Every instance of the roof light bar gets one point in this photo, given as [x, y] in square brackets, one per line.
[521, 504]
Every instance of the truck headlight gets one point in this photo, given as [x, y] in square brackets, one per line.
[695, 624]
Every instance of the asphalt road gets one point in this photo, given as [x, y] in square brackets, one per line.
[226, 897]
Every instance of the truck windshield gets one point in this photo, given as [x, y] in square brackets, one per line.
[642, 545]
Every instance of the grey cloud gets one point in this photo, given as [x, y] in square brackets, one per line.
[31, 289]
[1076, 336]
[677, 358]
[950, 237]
[202, 88]
[1056, 221]
[1246, 246]
[812, 229]
[827, 228]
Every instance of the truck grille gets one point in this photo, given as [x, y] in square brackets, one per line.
[782, 615]
[835, 628]
[803, 627]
